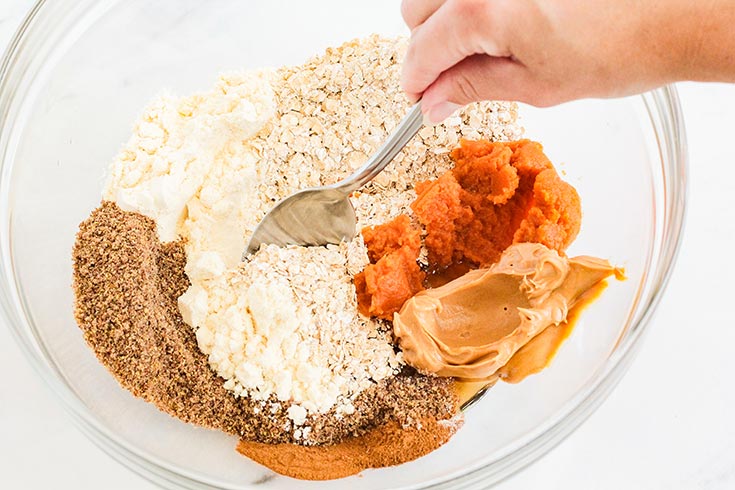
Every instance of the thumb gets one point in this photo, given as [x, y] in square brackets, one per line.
[478, 77]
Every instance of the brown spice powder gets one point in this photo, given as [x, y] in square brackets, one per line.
[126, 285]
[387, 445]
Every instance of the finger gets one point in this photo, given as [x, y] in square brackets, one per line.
[480, 77]
[458, 29]
[415, 12]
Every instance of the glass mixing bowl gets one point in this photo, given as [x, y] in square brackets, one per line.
[78, 74]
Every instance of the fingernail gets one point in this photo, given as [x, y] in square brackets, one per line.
[440, 112]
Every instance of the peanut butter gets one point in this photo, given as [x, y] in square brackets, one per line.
[470, 327]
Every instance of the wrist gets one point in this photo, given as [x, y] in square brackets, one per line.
[701, 40]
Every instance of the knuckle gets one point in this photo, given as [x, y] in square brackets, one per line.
[474, 12]
[411, 50]
[406, 12]
[481, 19]
[464, 88]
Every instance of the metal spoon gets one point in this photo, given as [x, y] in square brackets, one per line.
[322, 215]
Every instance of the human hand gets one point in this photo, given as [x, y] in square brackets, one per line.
[545, 52]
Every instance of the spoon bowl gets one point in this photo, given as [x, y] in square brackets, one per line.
[322, 215]
[312, 216]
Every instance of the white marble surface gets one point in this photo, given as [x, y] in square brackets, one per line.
[667, 426]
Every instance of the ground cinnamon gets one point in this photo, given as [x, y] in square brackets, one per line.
[387, 445]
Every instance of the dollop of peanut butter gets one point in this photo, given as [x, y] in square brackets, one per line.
[470, 327]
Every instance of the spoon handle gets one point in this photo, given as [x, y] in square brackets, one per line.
[406, 129]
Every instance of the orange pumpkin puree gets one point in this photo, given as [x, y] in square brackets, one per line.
[497, 194]
[393, 275]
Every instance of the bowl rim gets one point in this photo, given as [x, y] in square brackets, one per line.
[665, 112]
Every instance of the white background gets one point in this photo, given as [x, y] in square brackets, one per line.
[669, 424]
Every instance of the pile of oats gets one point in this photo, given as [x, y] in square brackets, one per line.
[334, 111]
